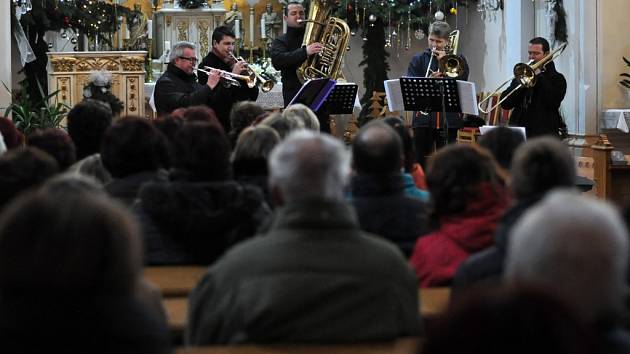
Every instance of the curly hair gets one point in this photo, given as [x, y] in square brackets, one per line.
[454, 176]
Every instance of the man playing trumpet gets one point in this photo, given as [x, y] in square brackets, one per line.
[428, 126]
[221, 57]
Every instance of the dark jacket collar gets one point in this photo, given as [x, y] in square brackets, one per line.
[373, 185]
[315, 215]
[171, 68]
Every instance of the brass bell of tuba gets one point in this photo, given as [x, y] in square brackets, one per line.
[333, 33]
[451, 65]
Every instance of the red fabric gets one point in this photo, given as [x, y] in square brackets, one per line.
[437, 255]
[418, 176]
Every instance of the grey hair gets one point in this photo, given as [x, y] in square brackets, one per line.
[282, 124]
[575, 246]
[309, 165]
[440, 28]
[304, 114]
[178, 49]
[255, 142]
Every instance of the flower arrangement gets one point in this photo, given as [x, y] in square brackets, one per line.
[263, 67]
[99, 88]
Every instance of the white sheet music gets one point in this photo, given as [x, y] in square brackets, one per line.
[394, 95]
[467, 97]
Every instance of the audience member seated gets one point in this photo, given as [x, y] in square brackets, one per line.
[201, 114]
[169, 126]
[378, 189]
[502, 142]
[70, 264]
[539, 165]
[468, 201]
[134, 152]
[11, 136]
[249, 159]
[22, 169]
[514, 321]
[243, 115]
[577, 248]
[282, 124]
[57, 143]
[87, 123]
[196, 216]
[414, 173]
[303, 114]
[314, 277]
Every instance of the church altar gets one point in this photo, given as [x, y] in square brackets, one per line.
[69, 72]
[192, 25]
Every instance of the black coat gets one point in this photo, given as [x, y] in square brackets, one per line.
[384, 209]
[418, 68]
[287, 54]
[537, 108]
[176, 89]
[233, 94]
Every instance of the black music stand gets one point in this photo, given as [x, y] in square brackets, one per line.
[430, 94]
[314, 93]
[341, 99]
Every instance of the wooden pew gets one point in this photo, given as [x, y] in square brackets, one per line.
[174, 281]
[432, 302]
[401, 346]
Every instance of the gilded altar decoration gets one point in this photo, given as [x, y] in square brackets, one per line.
[202, 27]
[182, 31]
[63, 83]
[132, 94]
[96, 63]
[132, 63]
[63, 63]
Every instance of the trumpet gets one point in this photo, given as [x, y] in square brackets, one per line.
[231, 78]
[525, 74]
[264, 85]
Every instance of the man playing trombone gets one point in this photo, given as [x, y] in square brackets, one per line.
[537, 108]
[430, 129]
[178, 86]
[221, 58]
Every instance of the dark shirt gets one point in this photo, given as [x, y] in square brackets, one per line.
[176, 89]
[287, 54]
[537, 108]
[233, 94]
[418, 68]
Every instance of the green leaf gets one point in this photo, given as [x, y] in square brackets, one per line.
[627, 61]
[625, 75]
[625, 84]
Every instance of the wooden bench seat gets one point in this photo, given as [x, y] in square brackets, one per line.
[174, 281]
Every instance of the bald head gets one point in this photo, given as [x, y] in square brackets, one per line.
[377, 150]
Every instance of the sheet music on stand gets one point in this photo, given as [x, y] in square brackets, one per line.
[466, 90]
[341, 99]
[314, 93]
[425, 94]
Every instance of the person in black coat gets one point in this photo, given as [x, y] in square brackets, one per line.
[287, 52]
[219, 58]
[178, 86]
[537, 108]
[427, 127]
[378, 190]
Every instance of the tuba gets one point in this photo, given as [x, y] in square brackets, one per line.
[451, 64]
[333, 33]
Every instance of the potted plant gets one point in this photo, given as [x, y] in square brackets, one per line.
[43, 114]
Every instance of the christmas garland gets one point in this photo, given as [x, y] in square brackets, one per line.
[192, 4]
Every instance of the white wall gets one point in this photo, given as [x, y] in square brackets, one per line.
[5, 55]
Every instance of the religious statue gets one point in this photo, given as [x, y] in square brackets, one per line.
[272, 22]
[137, 29]
[230, 20]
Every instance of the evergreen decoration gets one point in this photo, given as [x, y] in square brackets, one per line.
[192, 4]
[625, 82]
[560, 24]
[376, 67]
[99, 88]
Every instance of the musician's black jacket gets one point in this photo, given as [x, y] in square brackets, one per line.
[232, 95]
[176, 89]
[287, 54]
[537, 108]
[418, 68]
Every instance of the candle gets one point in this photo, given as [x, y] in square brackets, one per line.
[284, 22]
[150, 28]
[251, 26]
[127, 33]
[263, 35]
[167, 45]
[237, 28]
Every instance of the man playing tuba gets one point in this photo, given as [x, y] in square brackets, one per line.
[287, 53]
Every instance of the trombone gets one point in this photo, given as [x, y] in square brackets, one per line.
[525, 73]
[264, 85]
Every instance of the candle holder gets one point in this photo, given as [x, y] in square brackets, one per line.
[147, 62]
